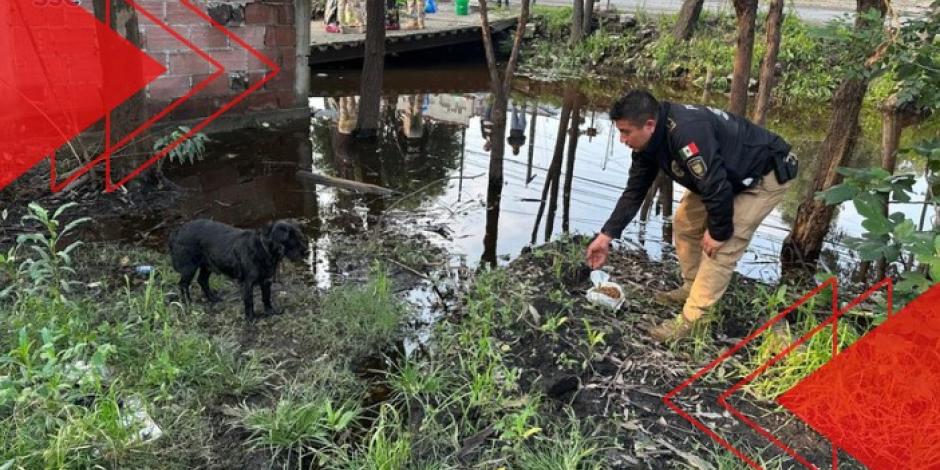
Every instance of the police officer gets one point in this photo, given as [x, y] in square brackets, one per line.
[735, 173]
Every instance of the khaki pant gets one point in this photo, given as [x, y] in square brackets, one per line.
[706, 277]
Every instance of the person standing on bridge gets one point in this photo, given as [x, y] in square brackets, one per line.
[415, 14]
[735, 173]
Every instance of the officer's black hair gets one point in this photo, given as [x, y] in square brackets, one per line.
[637, 107]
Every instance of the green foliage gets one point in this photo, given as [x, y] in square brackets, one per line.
[810, 62]
[555, 20]
[894, 235]
[387, 447]
[593, 339]
[855, 44]
[811, 56]
[914, 58]
[189, 150]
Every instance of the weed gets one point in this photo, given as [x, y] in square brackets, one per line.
[412, 380]
[562, 452]
[299, 425]
[593, 339]
[563, 300]
[387, 448]
[726, 460]
[189, 150]
[50, 269]
[517, 427]
[553, 323]
[371, 313]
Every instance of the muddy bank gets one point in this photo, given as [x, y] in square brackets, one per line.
[602, 366]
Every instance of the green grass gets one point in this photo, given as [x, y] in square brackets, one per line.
[69, 355]
[801, 362]
[569, 450]
[284, 391]
[299, 425]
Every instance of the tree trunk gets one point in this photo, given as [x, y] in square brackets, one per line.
[588, 15]
[569, 168]
[688, 16]
[894, 119]
[774, 22]
[746, 11]
[803, 245]
[373, 66]
[577, 18]
[127, 117]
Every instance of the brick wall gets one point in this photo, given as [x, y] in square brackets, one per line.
[266, 25]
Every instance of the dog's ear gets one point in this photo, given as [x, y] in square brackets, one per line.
[280, 232]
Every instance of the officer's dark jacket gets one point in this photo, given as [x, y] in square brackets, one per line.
[712, 153]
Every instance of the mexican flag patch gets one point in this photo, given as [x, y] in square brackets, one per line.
[690, 150]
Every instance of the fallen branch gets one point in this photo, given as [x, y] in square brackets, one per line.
[346, 184]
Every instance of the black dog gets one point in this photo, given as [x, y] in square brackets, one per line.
[250, 257]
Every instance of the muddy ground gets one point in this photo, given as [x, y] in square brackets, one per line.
[623, 382]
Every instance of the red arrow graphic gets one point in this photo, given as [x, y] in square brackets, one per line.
[66, 73]
[112, 148]
[52, 82]
[806, 398]
[880, 398]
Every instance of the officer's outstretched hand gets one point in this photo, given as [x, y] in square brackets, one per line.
[598, 250]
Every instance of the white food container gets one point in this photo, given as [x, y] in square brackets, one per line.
[602, 279]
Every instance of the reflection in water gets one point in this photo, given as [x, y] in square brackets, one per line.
[574, 134]
[532, 122]
[554, 171]
[429, 149]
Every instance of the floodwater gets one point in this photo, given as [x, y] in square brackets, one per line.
[431, 152]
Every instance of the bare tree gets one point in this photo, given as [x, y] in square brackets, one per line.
[688, 17]
[768, 67]
[746, 12]
[500, 86]
[130, 114]
[373, 65]
[803, 245]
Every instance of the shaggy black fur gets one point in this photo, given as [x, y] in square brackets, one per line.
[250, 257]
